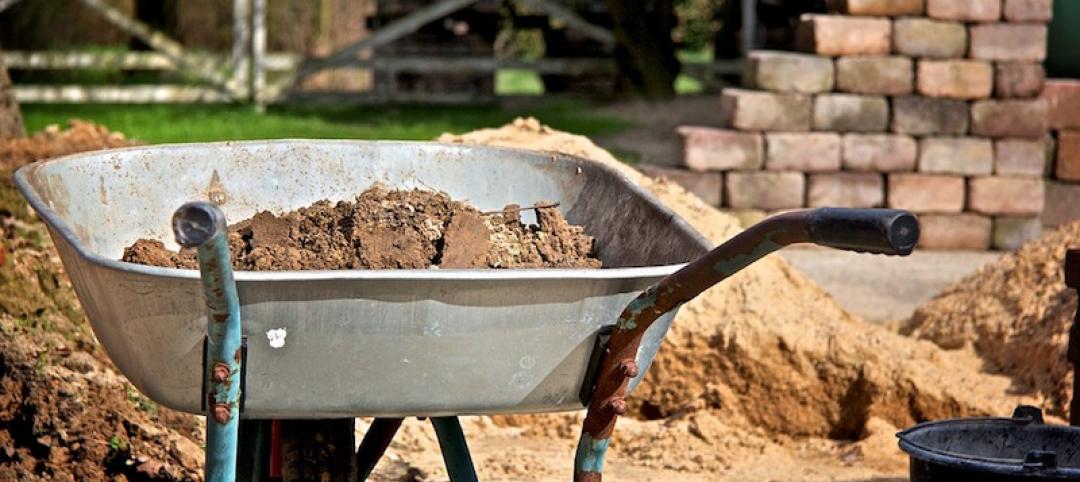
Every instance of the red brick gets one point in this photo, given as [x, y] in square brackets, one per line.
[956, 155]
[1063, 102]
[840, 35]
[709, 186]
[954, 231]
[1012, 232]
[956, 79]
[1008, 41]
[878, 8]
[1006, 195]
[1025, 157]
[964, 10]
[923, 37]
[705, 148]
[765, 189]
[879, 152]
[850, 113]
[806, 152]
[1062, 203]
[923, 115]
[926, 193]
[846, 190]
[765, 111]
[1009, 118]
[1018, 79]
[789, 72]
[1068, 156]
[1029, 10]
[874, 75]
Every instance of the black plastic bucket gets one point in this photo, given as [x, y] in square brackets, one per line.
[1021, 448]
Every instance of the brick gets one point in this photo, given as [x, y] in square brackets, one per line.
[926, 193]
[964, 10]
[846, 190]
[765, 111]
[879, 152]
[1018, 79]
[1068, 156]
[1008, 41]
[1062, 203]
[956, 79]
[709, 186]
[850, 113]
[954, 231]
[874, 75]
[1025, 157]
[789, 72]
[1013, 232]
[1029, 10]
[956, 155]
[1009, 118]
[805, 152]
[835, 35]
[923, 37]
[765, 189]
[921, 116]
[705, 148]
[1006, 195]
[1062, 102]
[879, 8]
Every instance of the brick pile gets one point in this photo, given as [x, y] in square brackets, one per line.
[928, 105]
[1063, 192]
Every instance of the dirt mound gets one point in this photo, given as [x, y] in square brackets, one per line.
[80, 136]
[386, 229]
[1015, 314]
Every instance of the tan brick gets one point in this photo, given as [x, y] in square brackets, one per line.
[879, 152]
[1029, 10]
[923, 37]
[1025, 157]
[926, 193]
[1062, 203]
[1006, 195]
[956, 155]
[964, 10]
[878, 8]
[846, 190]
[956, 79]
[709, 186]
[765, 111]
[765, 189]
[954, 231]
[1068, 156]
[806, 152]
[850, 113]
[1062, 102]
[1013, 232]
[789, 72]
[1018, 79]
[921, 116]
[874, 75]
[706, 148]
[1008, 41]
[1009, 118]
[840, 35]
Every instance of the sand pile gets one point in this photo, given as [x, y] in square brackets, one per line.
[1016, 315]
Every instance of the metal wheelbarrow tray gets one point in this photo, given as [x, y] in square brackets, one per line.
[388, 343]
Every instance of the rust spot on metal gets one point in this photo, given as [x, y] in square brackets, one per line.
[221, 413]
[617, 405]
[221, 317]
[220, 372]
[238, 355]
[628, 368]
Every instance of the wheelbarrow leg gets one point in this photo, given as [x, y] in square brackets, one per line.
[378, 437]
[455, 451]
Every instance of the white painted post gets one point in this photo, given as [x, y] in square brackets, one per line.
[258, 53]
[241, 48]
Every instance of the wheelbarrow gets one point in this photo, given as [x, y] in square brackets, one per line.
[390, 343]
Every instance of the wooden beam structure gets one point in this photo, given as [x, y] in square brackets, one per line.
[573, 20]
[119, 94]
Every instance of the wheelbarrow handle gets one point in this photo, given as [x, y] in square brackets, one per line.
[883, 231]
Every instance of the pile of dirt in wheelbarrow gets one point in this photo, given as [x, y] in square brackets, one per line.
[391, 229]
[1015, 314]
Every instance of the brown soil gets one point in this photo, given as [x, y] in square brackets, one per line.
[1016, 315]
[386, 229]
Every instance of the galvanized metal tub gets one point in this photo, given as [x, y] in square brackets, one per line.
[375, 342]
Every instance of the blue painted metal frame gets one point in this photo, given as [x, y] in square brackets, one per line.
[455, 451]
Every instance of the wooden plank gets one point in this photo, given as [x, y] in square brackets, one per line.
[4, 4]
[241, 47]
[59, 60]
[258, 54]
[574, 21]
[749, 26]
[119, 94]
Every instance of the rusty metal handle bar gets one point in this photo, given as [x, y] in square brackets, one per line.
[882, 231]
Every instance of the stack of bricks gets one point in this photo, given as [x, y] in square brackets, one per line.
[927, 105]
[1063, 193]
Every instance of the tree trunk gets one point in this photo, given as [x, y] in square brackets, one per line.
[11, 123]
[644, 50]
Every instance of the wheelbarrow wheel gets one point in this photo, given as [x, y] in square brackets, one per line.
[317, 450]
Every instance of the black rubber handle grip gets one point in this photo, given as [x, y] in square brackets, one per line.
[882, 231]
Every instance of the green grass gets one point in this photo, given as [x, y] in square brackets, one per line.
[193, 123]
[518, 82]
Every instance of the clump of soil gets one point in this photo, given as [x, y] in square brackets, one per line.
[53, 141]
[1015, 313]
[390, 229]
